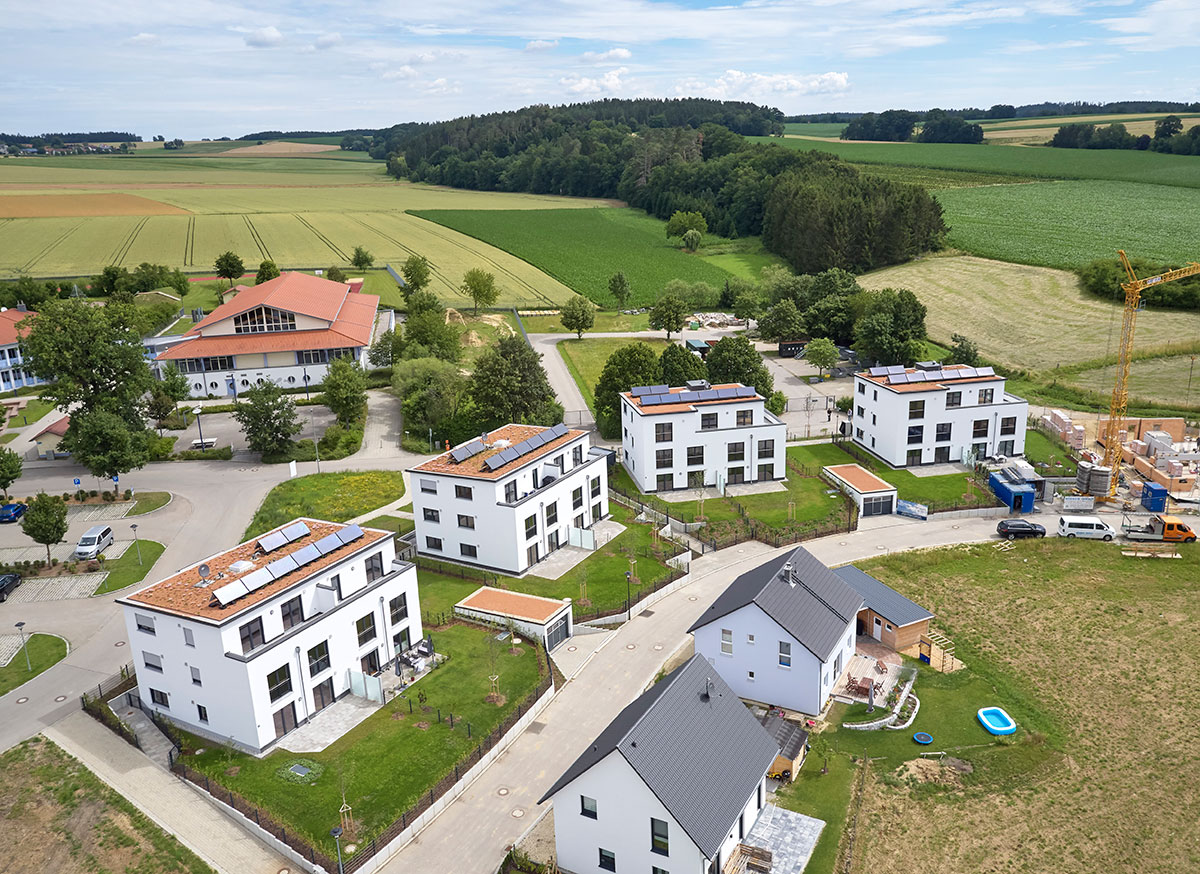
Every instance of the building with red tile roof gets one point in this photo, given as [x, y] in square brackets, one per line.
[13, 326]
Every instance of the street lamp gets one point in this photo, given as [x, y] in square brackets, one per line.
[196, 412]
[21, 628]
[137, 542]
[336, 834]
[628, 594]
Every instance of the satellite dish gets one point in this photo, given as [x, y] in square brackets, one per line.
[204, 571]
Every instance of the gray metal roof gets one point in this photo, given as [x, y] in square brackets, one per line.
[696, 746]
[884, 600]
[789, 737]
[812, 603]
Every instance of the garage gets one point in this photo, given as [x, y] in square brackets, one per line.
[877, 505]
[558, 631]
[872, 495]
[547, 620]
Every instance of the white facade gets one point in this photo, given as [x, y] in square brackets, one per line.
[707, 443]
[624, 806]
[939, 421]
[744, 647]
[240, 372]
[510, 521]
[202, 674]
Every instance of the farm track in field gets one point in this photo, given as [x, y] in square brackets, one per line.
[189, 243]
[126, 243]
[262, 247]
[49, 247]
[324, 239]
[451, 288]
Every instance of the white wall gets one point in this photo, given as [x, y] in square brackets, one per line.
[639, 446]
[11, 363]
[251, 368]
[805, 686]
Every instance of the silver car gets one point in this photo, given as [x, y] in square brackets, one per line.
[94, 541]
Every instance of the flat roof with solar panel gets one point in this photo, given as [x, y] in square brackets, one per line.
[504, 449]
[929, 378]
[661, 399]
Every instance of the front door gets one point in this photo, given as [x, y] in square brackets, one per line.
[401, 641]
[323, 695]
[531, 555]
[370, 662]
[285, 720]
[877, 628]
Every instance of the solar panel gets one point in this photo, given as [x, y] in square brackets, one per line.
[509, 454]
[966, 372]
[895, 368]
[898, 379]
[495, 462]
[933, 375]
[660, 389]
[462, 453]
[559, 430]
[295, 531]
[726, 393]
[708, 395]
[919, 376]
[986, 371]
[304, 555]
[878, 371]
[746, 391]
[281, 566]
[226, 595]
[638, 390]
[257, 579]
[330, 542]
[272, 541]
[350, 533]
[541, 438]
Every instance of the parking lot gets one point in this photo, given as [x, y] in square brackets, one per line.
[810, 411]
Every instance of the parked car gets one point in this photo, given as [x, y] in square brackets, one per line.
[1085, 526]
[1011, 529]
[12, 512]
[8, 583]
[93, 542]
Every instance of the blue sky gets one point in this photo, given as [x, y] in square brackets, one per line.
[215, 68]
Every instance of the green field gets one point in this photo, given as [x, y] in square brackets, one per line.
[1170, 380]
[585, 359]
[935, 179]
[583, 248]
[831, 129]
[334, 497]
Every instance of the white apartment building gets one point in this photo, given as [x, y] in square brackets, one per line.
[13, 374]
[930, 413]
[508, 499]
[700, 435]
[256, 640]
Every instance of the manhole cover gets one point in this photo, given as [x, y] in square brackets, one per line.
[572, 648]
[285, 871]
[841, 543]
[22, 700]
[658, 646]
[693, 598]
[119, 643]
[300, 770]
[631, 646]
[61, 698]
[502, 791]
[740, 551]
[881, 547]
[955, 527]
[517, 813]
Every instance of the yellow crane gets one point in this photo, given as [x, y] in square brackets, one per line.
[1120, 395]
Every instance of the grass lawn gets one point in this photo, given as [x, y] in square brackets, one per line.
[8, 438]
[479, 333]
[606, 322]
[1041, 448]
[45, 650]
[386, 763]
[399, 524]
[148, 501]
[825, 797]
[180, 327]
[335, 497]
[126, 570]
[586, 358]
[380, 282]
[34, 410]
[63, 818]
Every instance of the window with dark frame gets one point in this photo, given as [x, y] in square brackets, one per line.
[468, 550]
[664, 482]
[577, 498]
[736, 452]
[318, 658]
[252, 635]
[463, 492]
[916, 409]
[576, 456]
[144, 623]
[587, 807]
[552, 514]
[944, 429]
[398, 607]
[659, 842]
[279, 682]
[664, 458]
[429, 486]
[766, 448]
[374, 565]
[466, 521]
[531, 526]
[608, 860]
[916, 433]
[434, 543]
[736, 475]
[510, 492]
[202, 713]
[695, 455]
[431, 515]
[159, 698]
[196, 681]
[365, 628]
[663, 432]
[745, 418]
[986, 395]
[953, 399]
[1008, 425]
[785, 654]
[292, 612]
[979, 428]
[152, 662]
[708, 421]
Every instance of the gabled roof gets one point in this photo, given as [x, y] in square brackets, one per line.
[292, 292]
[696, 746]
[790, 737]
[812, 603]
[58, 427]
[883, 599]
[9, 332]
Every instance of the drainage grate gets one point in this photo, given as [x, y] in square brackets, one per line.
[535, 727]
[299, 770]
[647, 613]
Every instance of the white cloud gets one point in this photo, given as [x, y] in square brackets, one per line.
[264, 37]
[1164, 24]
[144, 39]
[1021, 48]
[767, 87]
[405, 72]
[540, 45]
[328, 40]
[610, 55]
[442, 86]
[608, 83]
[885, 43]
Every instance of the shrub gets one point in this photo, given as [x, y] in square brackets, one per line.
[93, 493]
[54, 562]
[128, 494]
[81, 495]
[66, 496]
[220, 453]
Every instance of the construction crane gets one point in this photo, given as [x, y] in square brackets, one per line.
[1120, 395]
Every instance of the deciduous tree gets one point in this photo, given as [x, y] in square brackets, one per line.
[822, 354]
[681, 222]
[229, 266]
[416, 273]
[509, 384]
[668, 314]
[480, 286]
[678, 366]
[964, 351]
[45, 521]
[345, 390]
[362, 259]
[268, 418]
[692, 239]
[11, 466]
[267, 271]
[106, 444]
[578, 315]
[734, 359]
[628, 366]
[618, 287]
[335, 274]
[747, 305]
[781, 322]
[175, 383]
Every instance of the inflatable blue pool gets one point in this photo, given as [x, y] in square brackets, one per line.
[995, 720]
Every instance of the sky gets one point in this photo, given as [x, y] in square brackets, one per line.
[211, 68]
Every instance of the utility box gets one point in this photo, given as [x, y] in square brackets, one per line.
[1154, 497]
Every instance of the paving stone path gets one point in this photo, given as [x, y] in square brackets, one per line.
[10, 645]
[61, 551]
[57, 588]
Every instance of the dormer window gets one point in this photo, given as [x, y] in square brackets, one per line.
[263, 320]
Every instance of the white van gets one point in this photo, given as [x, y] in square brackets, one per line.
[94, 541]
[1085, 526]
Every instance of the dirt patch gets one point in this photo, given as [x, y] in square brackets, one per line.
[65, 205]
[496, 698]
[471, 339]
[505, 328]
[424, 726]
[234, 771]
[538, 845]
[947, 771]
[276, 149]
[454, 317]
[397, 715]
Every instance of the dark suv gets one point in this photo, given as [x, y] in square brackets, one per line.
[1011, 529]
[8, 583]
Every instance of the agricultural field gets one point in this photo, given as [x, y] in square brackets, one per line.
[150, 171]
[583, 248]
[1173, 380]
[1030, 317]
[935, 179]
[824, 129]
[1134, 122]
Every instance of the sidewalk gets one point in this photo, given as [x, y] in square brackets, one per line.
[164, 798]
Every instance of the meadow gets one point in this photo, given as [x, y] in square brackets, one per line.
[829, 129]
[1171, 380]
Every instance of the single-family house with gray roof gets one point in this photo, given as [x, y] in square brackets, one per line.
[886, 615]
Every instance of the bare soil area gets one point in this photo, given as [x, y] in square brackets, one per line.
[277, 150]
[65, 205]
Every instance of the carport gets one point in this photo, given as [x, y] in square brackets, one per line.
[873, 496]
[534, 617]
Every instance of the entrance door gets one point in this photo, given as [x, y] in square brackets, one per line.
[323, 695]
[552, 540]
[556, 634]
[531, 555]
[285, 720]
[401, 641]
[695, 479]
[370, 662]
[877, 629]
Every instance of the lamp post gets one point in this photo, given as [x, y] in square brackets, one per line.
[305, 369]
[336, 834]
[196, 413]
[21, 628]
[628, 594]
[137, 543]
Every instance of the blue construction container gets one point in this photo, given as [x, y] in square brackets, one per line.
[1018, 496]
[1154, 497]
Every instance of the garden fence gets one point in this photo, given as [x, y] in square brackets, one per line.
[95, 704]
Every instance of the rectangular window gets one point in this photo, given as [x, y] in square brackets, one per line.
[708, 421]
[596, 514]
[196, 677]
[766, 448]
[664, 458]
[860, 412]
[980, 450]
[862, 388]
[745, 418]
[916, 433]
[1008, 425]
[1005, 447]
[750, 676]
[577, 498]
[144, 623]
[695, 455]
[663, 432]
[159, 698]
[766, 472]
[429, 486]
[318, 658]
[943, 431]
[941, 454]
[374, 567]
[576, 456]
[189, 639]
[510, 492]
[726, 641]
[979, 428]
[466, 521]
[785, 654]
[279, 682]
[531, 526]
[750, 639]
[658, 837]
[986, 395]
[468, 550]
[913, 457]
[398, 607]
[153, 662]
[587, 807]
[434, 543]
[736, 475]
[552, 514]
[953, 399]
[464, 492]
[858, 433]
[431, 515]
[664, 482]
[654, 869]
[916, 409]
[202, 713]
[336, 582]
[252, 635]
[736, 452]
[292, 612]
[596, 487]
[365, 628]
[608, 860]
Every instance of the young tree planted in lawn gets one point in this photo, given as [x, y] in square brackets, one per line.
[362, 259]
[480, 287]
[781, 322]
[345, 390]
[45, 521]
[509, 384]
[681, 222]
[678, 365]
[578, 315]
[822, 354]
[335, 274]
[618, 287]
[229, 266]
[268, 418]
[628, 366]
[668, 314]
[267, 271]
[692, 239]
[10, 468]
[416, 273]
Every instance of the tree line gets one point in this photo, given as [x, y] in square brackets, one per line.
[1103, 278]
[897, 125]
[57, 140]
[1169, 137]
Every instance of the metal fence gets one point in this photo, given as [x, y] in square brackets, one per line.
[95, 704]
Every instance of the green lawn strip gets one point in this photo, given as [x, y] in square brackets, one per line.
[126, 570]
[45, 650]
[9, 437]
[147, 502]
[606, 322]
[808, 493]
[204, 294]
[386, 763]
[585, 359]
[180, 327]
[747, 265]
[380, 282]
[34, 410]
[825, 797]
[1042, 449]
[398, 524]
[335, 497]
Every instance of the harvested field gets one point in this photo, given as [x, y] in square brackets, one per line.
[278, 149]
[53, 205]
[1165, 380]
[1030, 317]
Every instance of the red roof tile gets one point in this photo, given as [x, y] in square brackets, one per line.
[506, 436]
[515, 604]
[59, 428]
[9, 332]
[690, 405]
[293, 292]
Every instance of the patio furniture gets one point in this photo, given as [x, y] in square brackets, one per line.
[881, 666]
